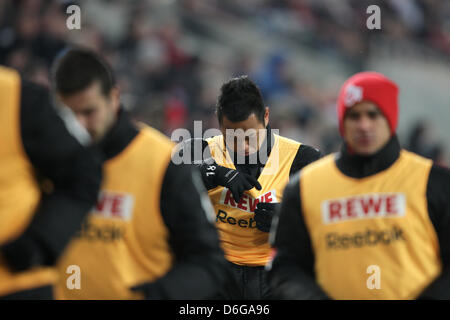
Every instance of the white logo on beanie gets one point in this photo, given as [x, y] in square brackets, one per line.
[353, 94]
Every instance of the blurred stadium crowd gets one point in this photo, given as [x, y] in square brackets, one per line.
[171, 56]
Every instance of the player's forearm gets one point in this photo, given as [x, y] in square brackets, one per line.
[288, 281]
[438, 189]
[209, 267]
[291, 275]
[194, 242]
[58, 216]
[439, 289]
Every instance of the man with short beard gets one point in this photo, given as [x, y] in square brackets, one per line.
[245, 170]
[146, 237]
[369, 222]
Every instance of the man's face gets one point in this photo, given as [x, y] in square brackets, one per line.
[366, 130]
[95, 111]
[245, 137]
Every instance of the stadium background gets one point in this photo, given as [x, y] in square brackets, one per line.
[171, 57]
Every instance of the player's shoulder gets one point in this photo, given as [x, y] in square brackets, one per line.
[287, 143]
[35, 99]
[310, 152]
[214, 139]
[415, 159]
[303, 150]
[9, 77]
[304, 154]
[31, 94]
[215, 143]
[319, 165]
[155, 137]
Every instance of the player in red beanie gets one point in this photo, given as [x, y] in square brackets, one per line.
[368, 101]
[369, 222]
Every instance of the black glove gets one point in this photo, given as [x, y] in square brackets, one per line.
[151, 291]
[264, 213]
[23, 253]
[234, 180]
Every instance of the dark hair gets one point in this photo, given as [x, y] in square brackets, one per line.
[76, 69]
[239, 98]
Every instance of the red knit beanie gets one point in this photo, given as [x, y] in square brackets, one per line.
[373, 87]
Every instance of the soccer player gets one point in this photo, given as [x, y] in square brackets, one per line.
[245, 170]
[37, 150]
[370, 222]
[149, 235]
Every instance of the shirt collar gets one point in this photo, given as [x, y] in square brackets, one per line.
[119, 136]
[357, 166]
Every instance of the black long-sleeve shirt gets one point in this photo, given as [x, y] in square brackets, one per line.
[292, 272]
[192, 236]
[74, 170]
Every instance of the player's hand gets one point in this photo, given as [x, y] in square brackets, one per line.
[264, 213]
[234, 180]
